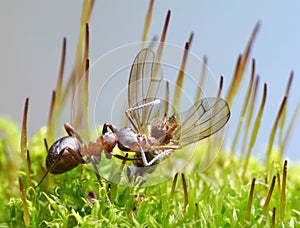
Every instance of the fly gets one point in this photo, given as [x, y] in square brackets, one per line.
[154, 135]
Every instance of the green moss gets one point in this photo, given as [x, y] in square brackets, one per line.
[218, 197]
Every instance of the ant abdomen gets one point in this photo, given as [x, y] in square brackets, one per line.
[68, 148]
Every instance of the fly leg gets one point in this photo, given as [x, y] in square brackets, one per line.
[156, 158]
[159, 157]
[127, 112]
[166, 150]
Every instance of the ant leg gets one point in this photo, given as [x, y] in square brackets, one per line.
[51, 167]
[42, 179]
[136, 108]
[74, 154]
[94, 162]
[136, 175]
[46, 145]
[110, 126]
[47, 149]
[71, 132]
[124, 158]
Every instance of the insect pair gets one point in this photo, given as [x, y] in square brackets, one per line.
[67, 152]
[153, 135]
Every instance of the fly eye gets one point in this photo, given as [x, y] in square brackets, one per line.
[172, 119]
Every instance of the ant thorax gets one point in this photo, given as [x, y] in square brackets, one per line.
[105, 142]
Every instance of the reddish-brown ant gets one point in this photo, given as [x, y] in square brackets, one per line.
[66, 153]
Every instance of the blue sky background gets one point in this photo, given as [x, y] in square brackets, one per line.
[32, 33]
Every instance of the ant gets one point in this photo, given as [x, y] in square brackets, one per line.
[67, 152]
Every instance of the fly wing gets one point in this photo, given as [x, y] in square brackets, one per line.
[145, 84]
[206, 117]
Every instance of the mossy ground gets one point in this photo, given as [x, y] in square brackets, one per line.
[231, 193]
[216, 198]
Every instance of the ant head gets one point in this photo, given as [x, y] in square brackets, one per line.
[109, 141]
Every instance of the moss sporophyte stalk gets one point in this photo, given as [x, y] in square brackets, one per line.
[131, 178]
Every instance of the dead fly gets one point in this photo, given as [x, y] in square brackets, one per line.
[154, 134]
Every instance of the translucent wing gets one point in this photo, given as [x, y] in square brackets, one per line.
[206, 117]
[145, 84]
